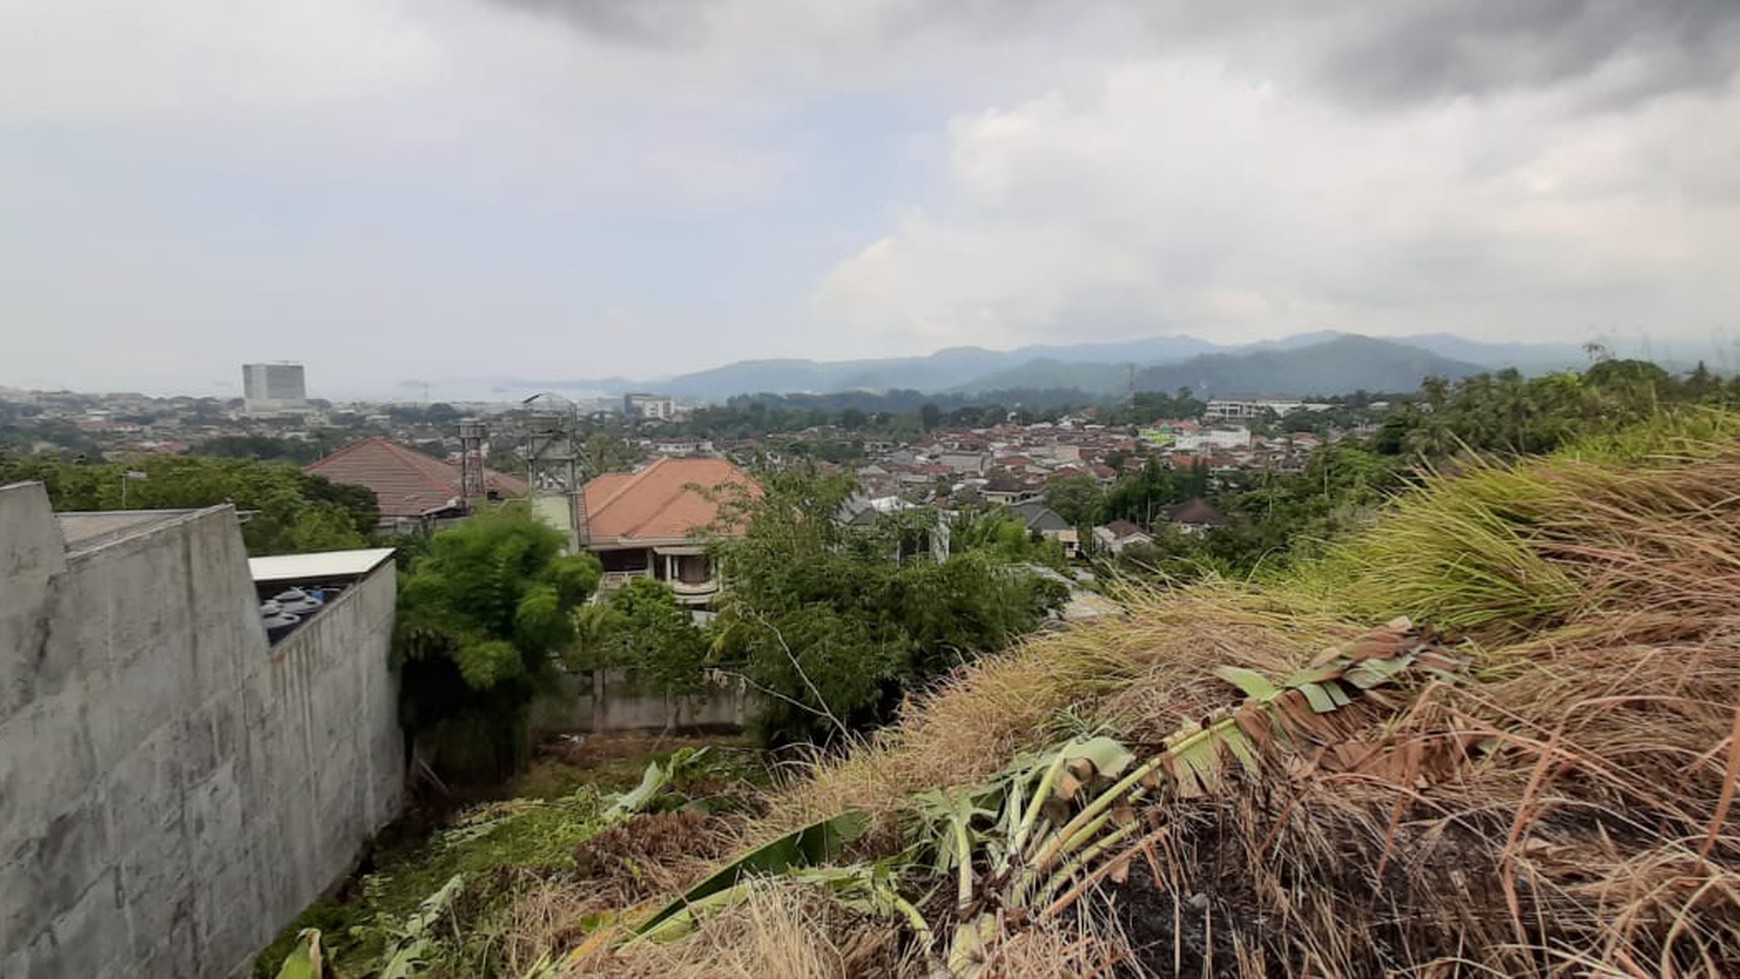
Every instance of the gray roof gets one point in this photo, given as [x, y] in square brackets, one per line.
[1038, 516]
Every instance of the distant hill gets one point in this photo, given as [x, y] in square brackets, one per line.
[1300, 364]
[940, 371]
[1530, 358]
[1338, 366]
[1328, 363]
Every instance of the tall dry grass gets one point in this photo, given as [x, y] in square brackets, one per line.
[778, 928]
[1567, 808]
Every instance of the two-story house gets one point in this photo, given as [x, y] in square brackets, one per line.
[656, 522]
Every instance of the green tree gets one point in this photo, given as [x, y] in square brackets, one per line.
[642, 628]
[929, 416]
[833, 627]
[606, 453]
[1001, 535]
[285, 510]
[1074, 498]
[481, 620]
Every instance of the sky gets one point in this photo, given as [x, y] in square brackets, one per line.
[410, 192]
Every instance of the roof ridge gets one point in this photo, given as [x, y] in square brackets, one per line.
[431, 468]
[345, 450]
[423, 466]
[676, 492]
[633, 479]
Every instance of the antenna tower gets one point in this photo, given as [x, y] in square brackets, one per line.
[555, 465]
[472, 434]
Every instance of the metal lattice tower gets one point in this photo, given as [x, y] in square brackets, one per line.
[471, 437]
[555, 468]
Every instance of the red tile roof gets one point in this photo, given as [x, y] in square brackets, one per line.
[406, 482]
[660, 502]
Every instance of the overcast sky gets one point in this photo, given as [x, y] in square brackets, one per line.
[392, 190]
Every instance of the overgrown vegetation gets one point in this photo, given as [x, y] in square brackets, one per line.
[1278, 517]
[442, 903]
[833, 625]
[287, 511]
[1538, 783]
[641, 627]
[481, 618]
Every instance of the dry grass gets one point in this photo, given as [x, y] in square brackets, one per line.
[1119, 673]
[778, 929]
[1566, 809]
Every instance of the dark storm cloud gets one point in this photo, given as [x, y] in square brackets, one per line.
[646, 22]
[1421, 51]
[1373, 53]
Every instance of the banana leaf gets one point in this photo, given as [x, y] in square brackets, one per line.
[817, 843]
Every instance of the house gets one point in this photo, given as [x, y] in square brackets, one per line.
[1119, 534]
[1005, 487]
[411, 488]
[653, 523]
[1046, 521]
[863, 513]
[973, 463]
[1213, 438]
[1196, 517]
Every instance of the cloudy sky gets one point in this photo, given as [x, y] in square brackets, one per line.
[392, 190]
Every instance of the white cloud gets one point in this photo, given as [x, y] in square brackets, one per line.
[128, 60]
[1183, 194]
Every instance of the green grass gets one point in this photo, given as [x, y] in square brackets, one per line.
[556, 808]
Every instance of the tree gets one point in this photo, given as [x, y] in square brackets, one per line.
[481, 619]
[830, 623]
[288, 511]
[607, 453]
[929, 416]
[1074, 498]
[1001, 535]
[640, 627]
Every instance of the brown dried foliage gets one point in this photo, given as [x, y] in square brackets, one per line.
[1566, 809]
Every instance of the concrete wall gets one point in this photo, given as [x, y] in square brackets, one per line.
[172, 790]
[610, 700]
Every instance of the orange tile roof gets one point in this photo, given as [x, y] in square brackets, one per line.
[406, 482]
[660, 501]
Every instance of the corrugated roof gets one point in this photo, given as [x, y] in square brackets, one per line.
[659, 502]
[406, 482]
[322, 564]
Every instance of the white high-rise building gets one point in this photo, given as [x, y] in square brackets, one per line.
[268, 388]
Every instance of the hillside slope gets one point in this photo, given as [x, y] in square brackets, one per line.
[1533, 777]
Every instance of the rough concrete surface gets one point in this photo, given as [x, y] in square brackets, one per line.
[611, 700]
[172, 790]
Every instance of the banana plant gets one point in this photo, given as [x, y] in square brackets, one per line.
[308, 960]
[412, 942]
[1046, 819]
[810, 846]
[1009, 846]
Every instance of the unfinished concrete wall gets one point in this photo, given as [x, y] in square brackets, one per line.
[173, 791]
[611, 700]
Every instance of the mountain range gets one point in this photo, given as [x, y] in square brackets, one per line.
[1305, 364]
[1320, 363]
